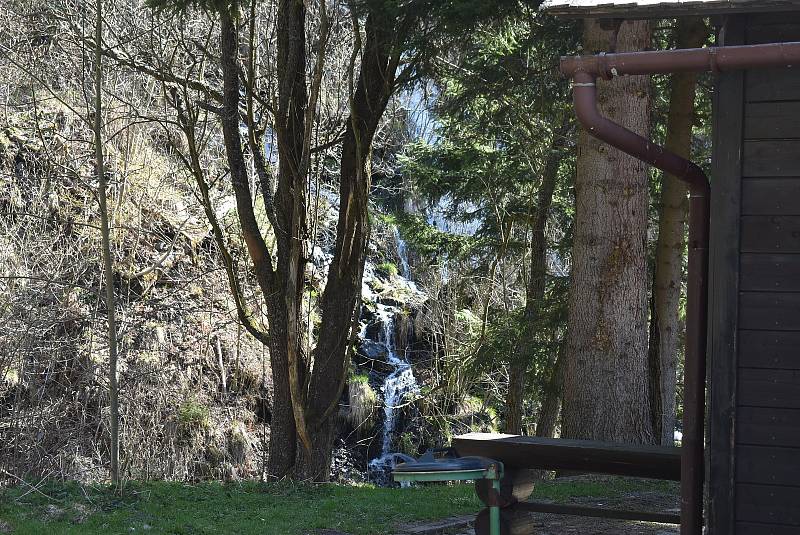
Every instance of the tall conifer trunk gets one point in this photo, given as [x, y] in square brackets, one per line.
[605, 373]
[551, 404]
[664, 325]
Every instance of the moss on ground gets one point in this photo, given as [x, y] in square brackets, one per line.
[254, 508]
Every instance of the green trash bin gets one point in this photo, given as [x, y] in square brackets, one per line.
[428, 468]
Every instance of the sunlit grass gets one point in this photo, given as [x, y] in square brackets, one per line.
[255, 508]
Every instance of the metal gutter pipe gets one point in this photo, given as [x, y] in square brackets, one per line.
[716, 59]
[584, 70]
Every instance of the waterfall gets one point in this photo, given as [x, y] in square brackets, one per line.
[405, 267]
[389, 297]
[402, 253]
[397, 384]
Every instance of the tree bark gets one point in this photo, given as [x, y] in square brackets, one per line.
[282, 287]
[515, 397]
[605, 373]
[664, 324]
[374, 87]
[108, 268]
[534, 292]
[286, 358]
[548, 413]
[304, 398]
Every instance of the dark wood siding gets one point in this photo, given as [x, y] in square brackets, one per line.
[771, 157]
[766, 458]
[771, 196]
[769, 389]
[761, 465]
[770, 273]
[749, 528]
[768, 349]
[768, 504]
[776, 427]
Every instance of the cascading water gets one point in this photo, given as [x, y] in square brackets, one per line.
[396, 387]
[400, 382]
[402, 253]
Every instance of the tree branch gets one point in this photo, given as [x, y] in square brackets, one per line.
[193, 165]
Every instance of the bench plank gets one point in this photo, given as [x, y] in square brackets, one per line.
[514, 451]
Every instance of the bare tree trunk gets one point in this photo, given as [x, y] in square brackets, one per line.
[605, 379]
[305, 400]
[282, 428]
[375, 84]
[536, 285]
[282, 287]
[515, 397]
[548, 413]
[108, 268]
[664, 325]
[290, 210]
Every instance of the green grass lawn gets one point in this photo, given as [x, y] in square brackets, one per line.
[254, 508]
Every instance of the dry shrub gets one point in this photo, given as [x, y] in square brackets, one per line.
[362, 403]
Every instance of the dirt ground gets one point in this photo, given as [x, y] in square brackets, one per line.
[548, 524]
[642, 501]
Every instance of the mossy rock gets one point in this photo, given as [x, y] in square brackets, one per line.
[387, 269]
[238, 443]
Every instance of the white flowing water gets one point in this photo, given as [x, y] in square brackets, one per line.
[398, 383]
[396, 387]
[402, 253]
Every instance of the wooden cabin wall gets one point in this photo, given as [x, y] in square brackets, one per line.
[754, 419]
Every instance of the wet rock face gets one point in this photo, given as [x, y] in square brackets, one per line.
[372, 356]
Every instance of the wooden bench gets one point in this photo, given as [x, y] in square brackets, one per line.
[522, 455]
[656, 462]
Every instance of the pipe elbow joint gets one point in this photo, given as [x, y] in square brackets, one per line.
[589, 117]
[584, 95]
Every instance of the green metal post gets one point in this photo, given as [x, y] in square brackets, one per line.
[494, 511]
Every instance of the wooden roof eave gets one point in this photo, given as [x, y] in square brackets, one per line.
[634, 12]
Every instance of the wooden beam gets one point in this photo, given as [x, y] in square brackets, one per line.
[598, 512]
[726, 198]
[515, 451]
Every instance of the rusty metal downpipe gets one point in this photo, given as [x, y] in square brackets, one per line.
[584, 70]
